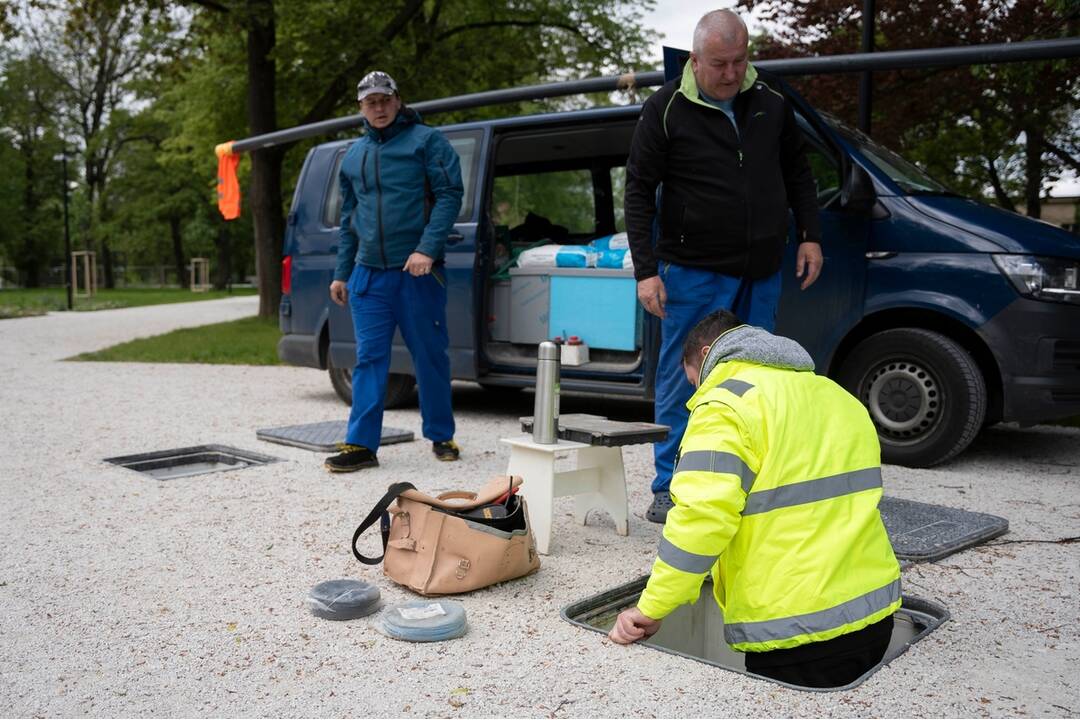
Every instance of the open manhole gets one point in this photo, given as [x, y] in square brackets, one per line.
[920, 532]
[324, 436]
[697, 631]
[185, 462]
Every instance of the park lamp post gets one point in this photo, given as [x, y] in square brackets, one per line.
[62, 157]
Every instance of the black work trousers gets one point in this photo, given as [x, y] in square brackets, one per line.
[830, 663]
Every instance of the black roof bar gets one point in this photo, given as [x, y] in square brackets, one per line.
[856, 62]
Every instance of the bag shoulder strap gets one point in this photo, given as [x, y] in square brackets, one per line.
[379, 511]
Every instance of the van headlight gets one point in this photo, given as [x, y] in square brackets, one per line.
[1042, 278]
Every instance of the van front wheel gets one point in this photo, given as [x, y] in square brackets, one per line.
[925, 393]
[399, 388]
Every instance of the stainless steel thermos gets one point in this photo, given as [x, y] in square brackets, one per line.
[546, 407]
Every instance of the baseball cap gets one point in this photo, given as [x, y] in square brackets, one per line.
[375, 82]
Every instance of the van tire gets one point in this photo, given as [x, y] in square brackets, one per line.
[925, 394]
[399, 388]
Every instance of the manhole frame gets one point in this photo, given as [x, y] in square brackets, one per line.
[929, 614]
[251, 458]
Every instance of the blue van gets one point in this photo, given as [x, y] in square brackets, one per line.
[942, 314]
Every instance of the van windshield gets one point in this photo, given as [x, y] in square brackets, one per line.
[905, 174]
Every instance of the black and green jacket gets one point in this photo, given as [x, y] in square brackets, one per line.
[725, 196]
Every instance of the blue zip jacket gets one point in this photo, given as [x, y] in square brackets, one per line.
[401, 192]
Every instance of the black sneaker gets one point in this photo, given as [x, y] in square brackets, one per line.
[658, 511]
[351, 459]
[447, 451]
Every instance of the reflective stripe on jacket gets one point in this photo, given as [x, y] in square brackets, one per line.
[776, 490]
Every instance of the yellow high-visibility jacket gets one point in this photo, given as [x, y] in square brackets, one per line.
[776, 490]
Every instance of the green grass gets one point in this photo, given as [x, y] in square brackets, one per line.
[249, 341]
[23, 303]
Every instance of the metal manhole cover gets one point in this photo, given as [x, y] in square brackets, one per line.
[324, 436]
[921, 532]
[189, 461]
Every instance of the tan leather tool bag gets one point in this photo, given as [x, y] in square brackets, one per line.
[456, 542]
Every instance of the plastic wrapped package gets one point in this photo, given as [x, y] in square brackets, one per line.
[618, 241]
[579, 256]
[612, 259]
[424, 621]
[343, 599]
[576, 256]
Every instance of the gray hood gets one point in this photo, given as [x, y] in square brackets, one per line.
[755, 345]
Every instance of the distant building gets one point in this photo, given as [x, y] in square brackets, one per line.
[1063, 211]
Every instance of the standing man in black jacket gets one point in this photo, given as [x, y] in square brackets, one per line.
[722, 146]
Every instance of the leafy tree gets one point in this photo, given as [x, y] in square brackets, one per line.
[1008, 127]
[144, 89]
[30, 205]
[302, 60]
[93, 51]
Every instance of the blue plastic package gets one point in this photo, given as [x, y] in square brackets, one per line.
[575, 256]
[423, 621]
[611, 259]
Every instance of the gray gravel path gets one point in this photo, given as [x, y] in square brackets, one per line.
[125, 596]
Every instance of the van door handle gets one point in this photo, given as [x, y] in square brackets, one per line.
[454, 238]
[880, 255]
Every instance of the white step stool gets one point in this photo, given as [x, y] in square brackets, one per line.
[597, 480]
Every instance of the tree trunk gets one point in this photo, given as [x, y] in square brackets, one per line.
[223, 271]
[28, 261]
[1003, 198]
[265, 164]
[1033, 171]
[107, 264]
[93, 190]
[177, 248]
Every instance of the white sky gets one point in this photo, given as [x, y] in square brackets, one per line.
[675, 19]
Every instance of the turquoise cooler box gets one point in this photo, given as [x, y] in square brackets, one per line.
[598, 305]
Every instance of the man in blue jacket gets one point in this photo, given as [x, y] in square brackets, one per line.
[401, 192]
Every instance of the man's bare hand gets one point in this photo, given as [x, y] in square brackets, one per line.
[808, 263]
[418, 264]
[633, 625]
[338, 292]
[652, 295]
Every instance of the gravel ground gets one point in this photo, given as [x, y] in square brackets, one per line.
[126, 596]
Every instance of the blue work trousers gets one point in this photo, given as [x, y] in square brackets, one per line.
[691, 295]
[382, 300]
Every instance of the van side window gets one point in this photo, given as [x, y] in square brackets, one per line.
[465, 144]
[565, 197]
[826, 174]
[823, 164]
[331, 215]
[618, 190]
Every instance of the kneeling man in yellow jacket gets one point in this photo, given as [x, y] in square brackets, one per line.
[776, 489]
